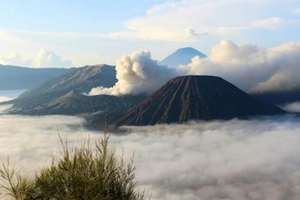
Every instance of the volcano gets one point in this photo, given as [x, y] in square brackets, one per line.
[193, 97]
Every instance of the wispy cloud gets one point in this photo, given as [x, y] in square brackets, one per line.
[168, 21]
[296, 11]
[269, 23]
[174, 23]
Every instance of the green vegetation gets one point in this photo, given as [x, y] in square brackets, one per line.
[81, 173]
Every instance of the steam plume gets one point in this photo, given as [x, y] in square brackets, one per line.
[137, 73]
[252, 68]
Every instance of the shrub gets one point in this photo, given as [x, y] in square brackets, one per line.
[82, 173]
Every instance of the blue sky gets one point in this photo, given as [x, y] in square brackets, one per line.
[70, 33]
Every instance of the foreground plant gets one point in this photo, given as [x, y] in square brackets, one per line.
[82, 173]
[16, 186]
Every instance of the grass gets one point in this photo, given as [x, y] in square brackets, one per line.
[79, 173]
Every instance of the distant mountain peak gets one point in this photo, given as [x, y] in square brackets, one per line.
[182, 56]
[188, 50]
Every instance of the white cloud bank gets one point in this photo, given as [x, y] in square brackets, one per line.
[47, 58]
[251, 68]
[12, 59]
[43, 59]
[234, 160]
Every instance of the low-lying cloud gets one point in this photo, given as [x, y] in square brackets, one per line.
[137, 73]
[292, 107]
[233, 160]
[6, 95]
[3, 99]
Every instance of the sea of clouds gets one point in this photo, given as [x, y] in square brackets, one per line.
[256, 159]
[6, 95]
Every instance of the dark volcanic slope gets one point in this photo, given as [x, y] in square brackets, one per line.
[194, 97]
[74, 104]
[78, 79]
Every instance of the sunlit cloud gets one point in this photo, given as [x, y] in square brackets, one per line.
[43, 59]
[237, 160]
[12, 59]
[47, 58]
[252, 68]
[167, 21]
[3, 99]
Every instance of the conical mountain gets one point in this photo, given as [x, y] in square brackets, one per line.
[194, 97]
[182, 56]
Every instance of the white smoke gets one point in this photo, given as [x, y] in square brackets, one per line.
[233, 160]
[292, 107]
[249, 67]
[137, 73]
